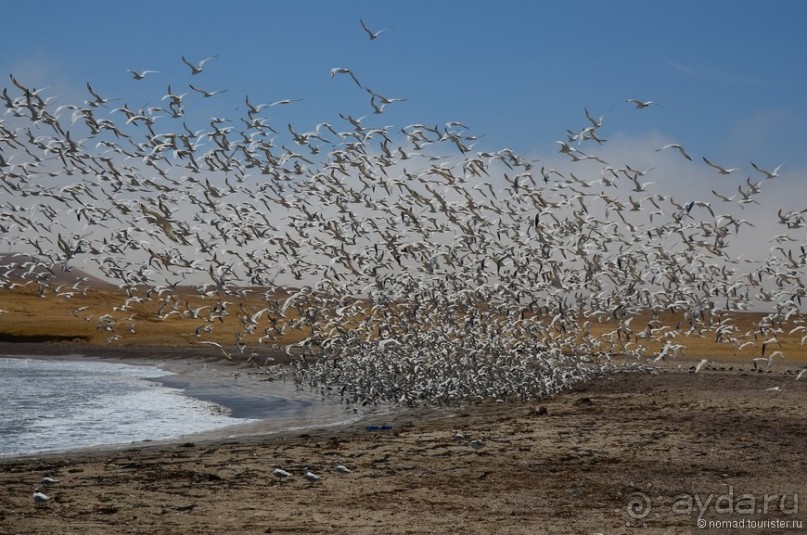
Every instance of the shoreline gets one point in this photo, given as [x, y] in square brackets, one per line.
[265, 407]
[572, 466]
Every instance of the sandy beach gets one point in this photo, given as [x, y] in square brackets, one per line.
[626, 451]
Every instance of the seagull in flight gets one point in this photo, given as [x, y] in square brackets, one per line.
[639, 103]
[720, 169]
[373, 35]
[344, 70]
[680, 149]
[196, 69]
[768, 174]
[207, 94]
[139, 75]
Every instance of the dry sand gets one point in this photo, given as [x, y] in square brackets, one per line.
[668, 439]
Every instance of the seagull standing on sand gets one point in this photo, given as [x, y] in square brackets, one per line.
[40, 498]
[280, 474]
[701, 364]
[476, 444]
[48, 481]
[342, 469]
[312, 477]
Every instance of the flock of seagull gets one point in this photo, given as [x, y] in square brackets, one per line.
[420, 268]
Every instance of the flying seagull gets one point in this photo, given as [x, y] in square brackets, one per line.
[680, 149]
[640, 104]
[720, 169]
[373, 35]
[196, 69]
[139, 75]
[343, 70]
[768, 174]
[207, 94]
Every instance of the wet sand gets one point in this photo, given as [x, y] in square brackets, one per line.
[572, 464]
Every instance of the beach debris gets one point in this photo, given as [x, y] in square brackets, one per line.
[384, 427]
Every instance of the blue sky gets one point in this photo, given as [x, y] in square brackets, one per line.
[729, 75]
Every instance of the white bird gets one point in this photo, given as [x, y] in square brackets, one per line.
[40, 498]
[342, 469]
[284, 101]
[344, 70]
[701, 364]
[48, 481]
[720, 169]
[801, 374]
[680, 149]
[218, 345]
[373, 35]
[768, 174]
[280, 474]
[640, 104]
[207, 94]
[774, 389]
[311, 477]
[196, 69]
[139, 75]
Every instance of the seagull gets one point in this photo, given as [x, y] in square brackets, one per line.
[48, 481]
[640, 104]
[139, 75]
[701, 364]
[476, 444]
[207, 94]
[284, 101]
[721, 170]
[342, 469]
[40, 498]
[768, 174]
[373, 35]
[280, 474]
[676, 146]
[218, 345]
[344, 70]
[311, 476]
[801, 374]
[196, 69]
[774, 389]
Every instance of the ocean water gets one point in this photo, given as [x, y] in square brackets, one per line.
[53, 405]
